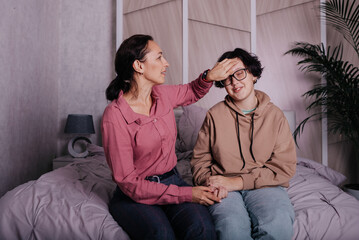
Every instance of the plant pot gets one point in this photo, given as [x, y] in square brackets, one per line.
[352, 189]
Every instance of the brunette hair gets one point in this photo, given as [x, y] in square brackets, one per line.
[131, 49]
[250, 61]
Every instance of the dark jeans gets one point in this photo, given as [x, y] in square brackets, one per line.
[141, 221]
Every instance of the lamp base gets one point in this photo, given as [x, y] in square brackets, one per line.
[71, 144]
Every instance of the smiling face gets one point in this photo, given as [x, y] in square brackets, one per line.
[242, 92]
[155, 65]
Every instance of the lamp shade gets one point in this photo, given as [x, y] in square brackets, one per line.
[79, 123]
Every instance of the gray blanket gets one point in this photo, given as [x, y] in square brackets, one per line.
[71, 203]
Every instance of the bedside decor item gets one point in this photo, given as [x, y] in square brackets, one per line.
[79, 124]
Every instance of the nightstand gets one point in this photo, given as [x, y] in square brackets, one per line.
[62, 161]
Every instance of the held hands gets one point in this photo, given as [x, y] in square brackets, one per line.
[221, 185]
[204, 196]
[220, 192]
[218, 188]
[223, 69]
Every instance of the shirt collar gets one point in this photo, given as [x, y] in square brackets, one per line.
[129, 115]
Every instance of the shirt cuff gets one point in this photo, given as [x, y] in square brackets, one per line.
[185, 194]
[204, 83]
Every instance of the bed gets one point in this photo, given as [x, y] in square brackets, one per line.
[71, 202]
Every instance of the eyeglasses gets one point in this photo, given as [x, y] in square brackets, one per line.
[239, 75]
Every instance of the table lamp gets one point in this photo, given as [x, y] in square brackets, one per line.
[79, 124]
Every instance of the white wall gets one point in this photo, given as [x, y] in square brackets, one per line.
[56, 58]
[86, 54]
[29, 46]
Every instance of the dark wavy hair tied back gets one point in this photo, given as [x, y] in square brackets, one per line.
[250, 61]
[133, 48]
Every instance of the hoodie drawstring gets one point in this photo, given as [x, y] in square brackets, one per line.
[250, 148]
[239, 140]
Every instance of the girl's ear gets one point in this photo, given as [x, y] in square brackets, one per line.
[138, 66]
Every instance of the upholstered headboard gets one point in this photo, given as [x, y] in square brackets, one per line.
[290, 115]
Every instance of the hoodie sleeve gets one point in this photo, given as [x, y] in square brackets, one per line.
[280, 168]
[202, 157]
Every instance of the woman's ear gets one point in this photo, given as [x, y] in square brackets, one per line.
[138, 66]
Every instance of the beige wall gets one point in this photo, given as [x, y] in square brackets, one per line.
[279, 25]
[163, 21]
[218, 26]
[214, 28]
[341, 157]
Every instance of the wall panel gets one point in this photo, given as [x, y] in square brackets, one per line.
[164, 23]
[135, 5]
[276, 32]
[86, 53]
[341, 156]
[228, 13]
[207, 43]
[265, 6]
[214, 28]
[28, 90]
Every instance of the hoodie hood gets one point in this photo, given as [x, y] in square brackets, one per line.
[263, 103]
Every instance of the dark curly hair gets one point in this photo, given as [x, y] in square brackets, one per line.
[250, 61]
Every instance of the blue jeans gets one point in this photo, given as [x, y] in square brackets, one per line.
[181, 221]
[265, 213]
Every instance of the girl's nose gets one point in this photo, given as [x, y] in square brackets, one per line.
[233, 81]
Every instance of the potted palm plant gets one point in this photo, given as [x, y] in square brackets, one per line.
[338, 99]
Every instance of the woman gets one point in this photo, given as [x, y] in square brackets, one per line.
[139, 133]
[245, 151]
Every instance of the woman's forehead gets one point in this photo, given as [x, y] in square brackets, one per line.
[153, 47]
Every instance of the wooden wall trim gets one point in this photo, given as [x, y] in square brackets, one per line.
[323, 39]
[119, 23]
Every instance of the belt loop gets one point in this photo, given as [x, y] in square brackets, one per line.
[157, 178]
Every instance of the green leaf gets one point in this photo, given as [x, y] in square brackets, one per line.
[344, 17]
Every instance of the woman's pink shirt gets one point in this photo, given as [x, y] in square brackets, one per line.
[137, 146]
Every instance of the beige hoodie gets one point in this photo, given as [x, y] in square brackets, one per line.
[266, 159]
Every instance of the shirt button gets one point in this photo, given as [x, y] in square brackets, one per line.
[155, 120]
